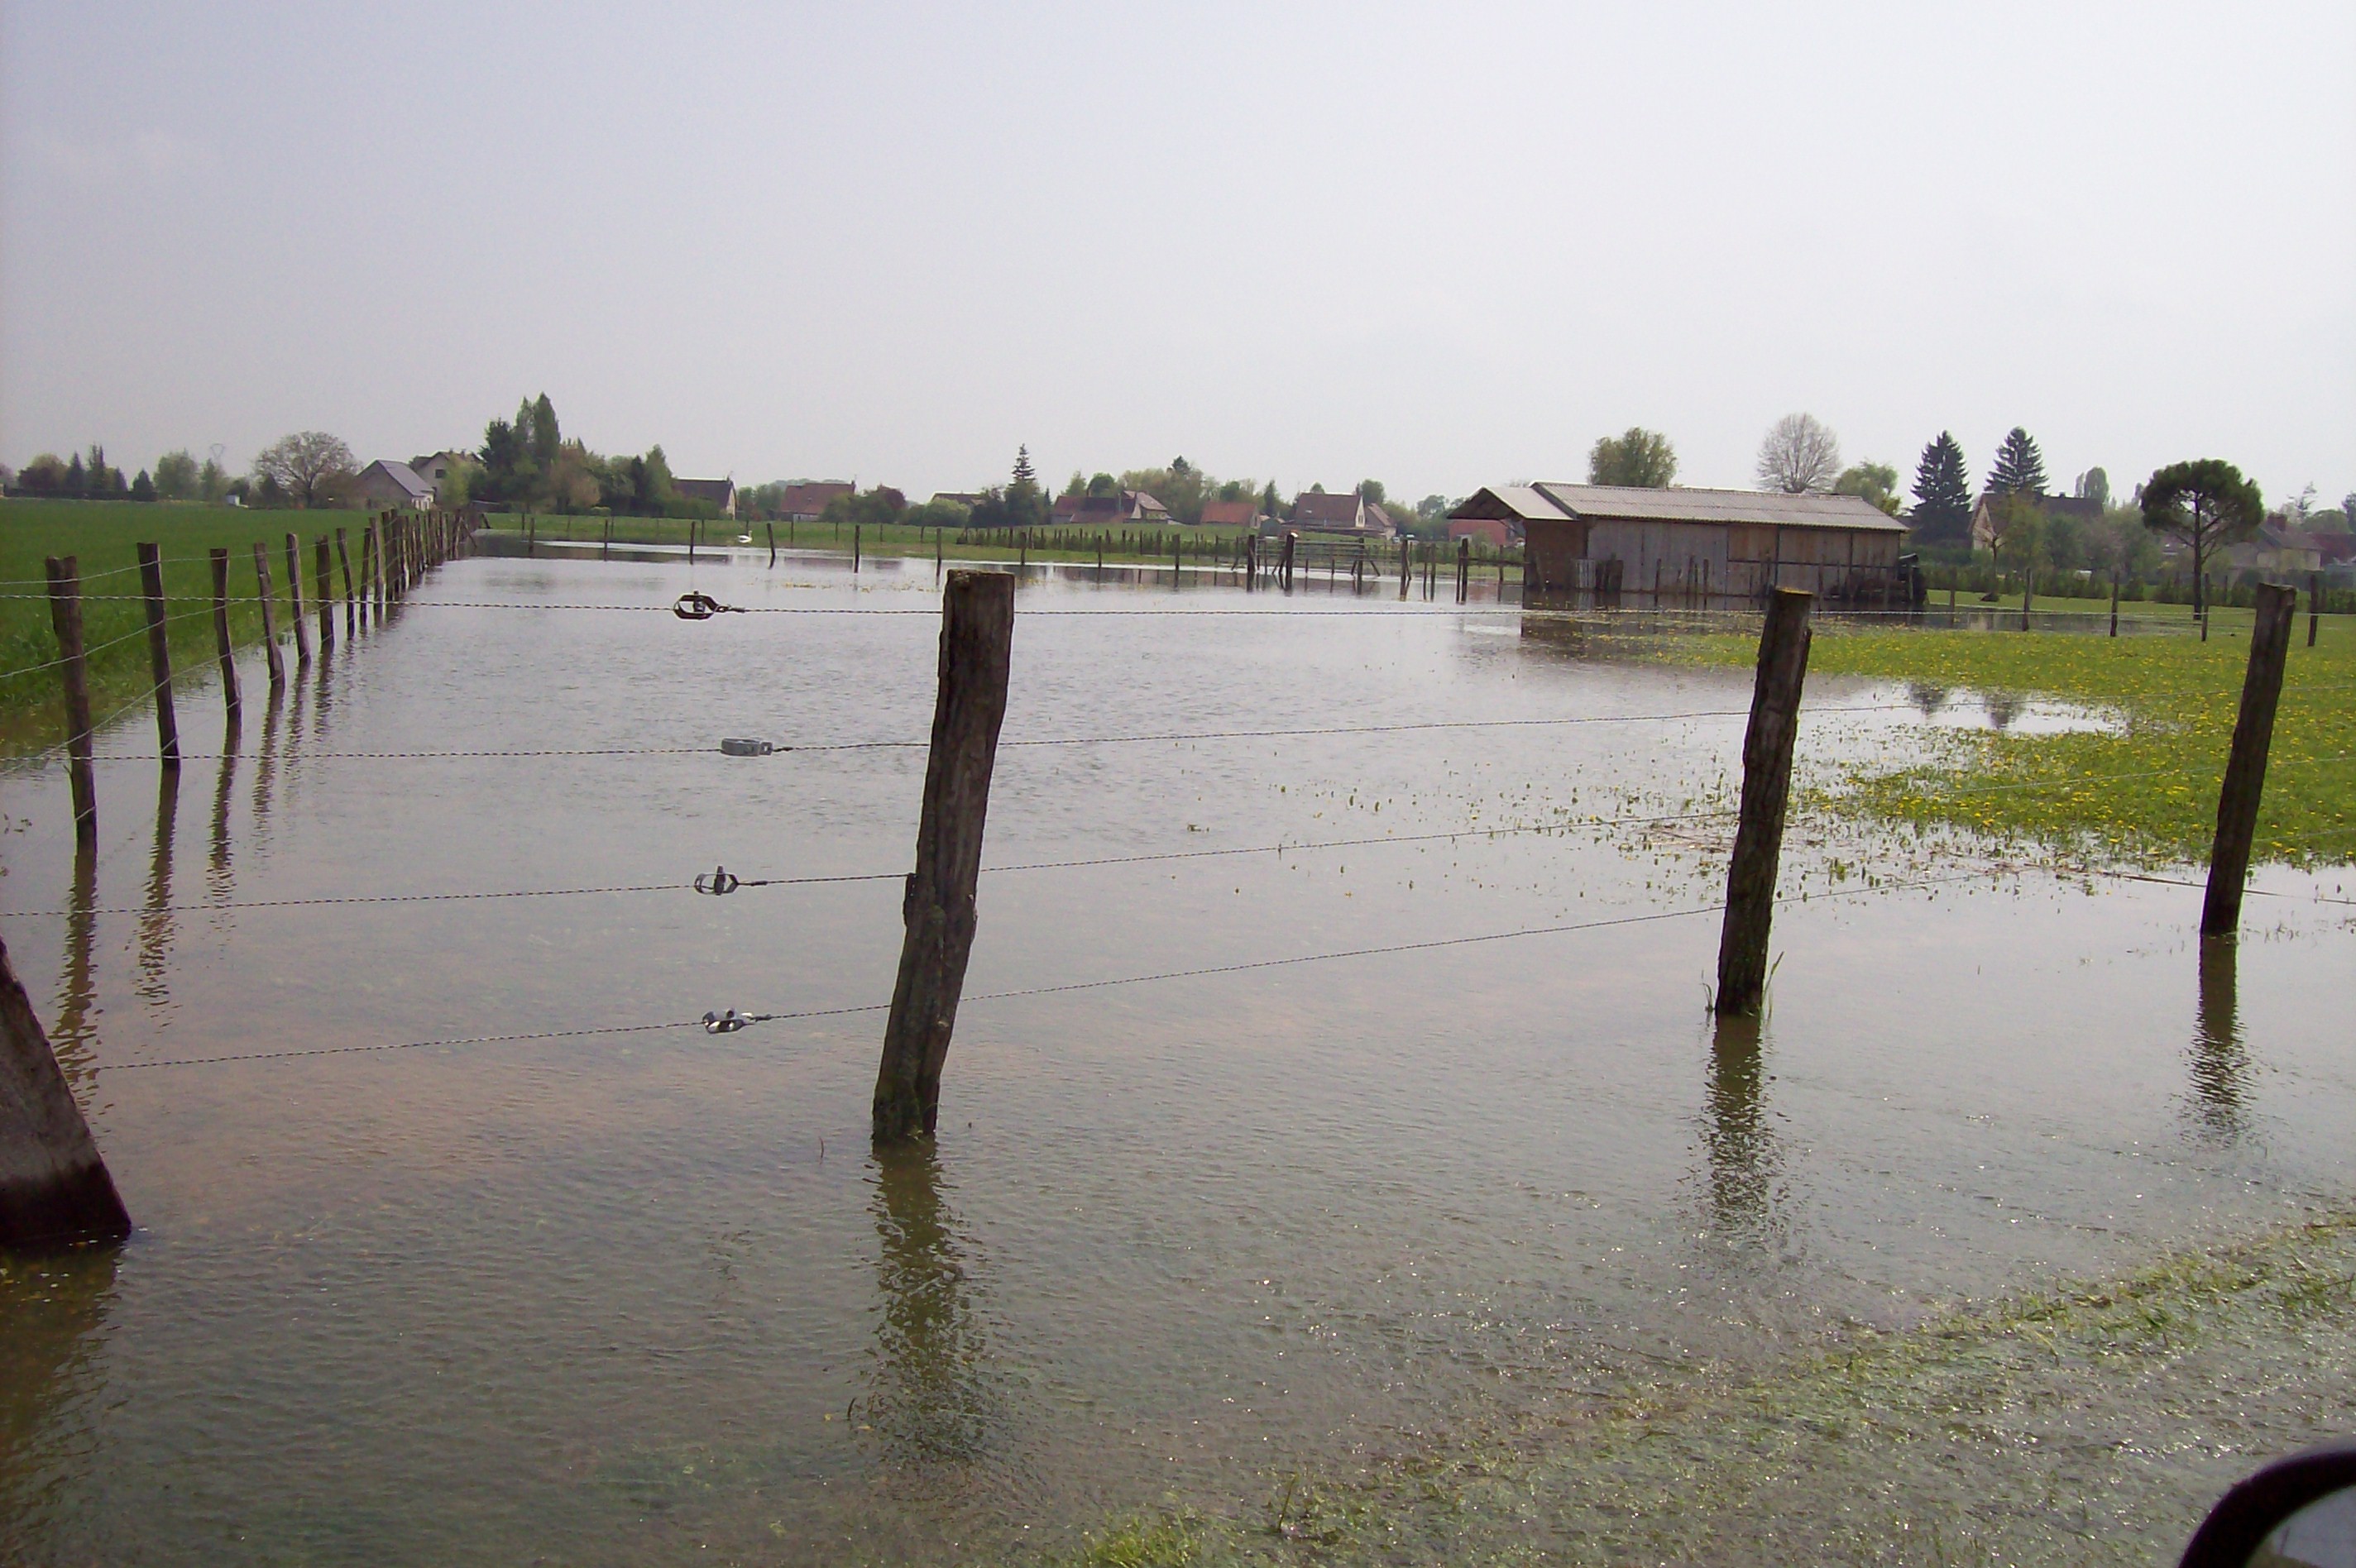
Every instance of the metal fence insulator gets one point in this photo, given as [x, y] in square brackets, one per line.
[736, 746]
[702, 607]
[719, 881]
[728, 1023]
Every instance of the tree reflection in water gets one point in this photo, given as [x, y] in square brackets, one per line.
[2220, 1064]
[1740, 1146]
[931, 1399]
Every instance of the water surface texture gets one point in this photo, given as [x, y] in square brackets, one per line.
[649, 1297]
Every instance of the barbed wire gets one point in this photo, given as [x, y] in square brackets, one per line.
[1061, 988]
[100, 647]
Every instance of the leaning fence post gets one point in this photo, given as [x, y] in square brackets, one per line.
[2245, 767]
[770, 527]
[1766, 787]
[222, 645]
[327, 596]
[295, 599]
[351, 604]
[65, 615]
[54, 1186]
[937, 904]
[269, 617]
[159, 653]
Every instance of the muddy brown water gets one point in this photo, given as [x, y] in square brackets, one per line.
[647, 1297]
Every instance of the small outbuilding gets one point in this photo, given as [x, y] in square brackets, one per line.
[386, 484]
[1696, 547]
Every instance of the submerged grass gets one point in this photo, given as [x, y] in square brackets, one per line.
[2088, 1423]
[2147, 793]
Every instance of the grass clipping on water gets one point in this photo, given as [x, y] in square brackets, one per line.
[2089, 1424]
[2145, 794]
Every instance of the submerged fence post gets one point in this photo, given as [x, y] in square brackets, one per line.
[1463, 568]
[2245, 767]
[294, 601]
[1766, 788]
[937, 904]
[222, 645]
[269, 617]
[327, 595]
[352, 605]
[854, 548]
[159, 653]
[771, 527]
[54, 1186]
[1291, 542]
[65, 615]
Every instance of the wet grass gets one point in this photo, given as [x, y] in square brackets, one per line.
[2085, 1423]
[104, 535]
[2145, 794]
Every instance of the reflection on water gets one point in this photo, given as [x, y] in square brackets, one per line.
[2003, 708]
[156, 920]
[1735, 1136]
[2221, 1065]
[265, 769]
[929, 1395]
[219, 884]
[74, 1036]
[1928, 696]
[53, 1315]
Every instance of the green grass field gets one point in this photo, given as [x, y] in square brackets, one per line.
[2147, 793]
[103, 536]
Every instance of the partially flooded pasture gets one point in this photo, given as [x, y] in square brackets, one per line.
[649, 1297]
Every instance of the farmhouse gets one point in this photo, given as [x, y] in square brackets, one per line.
[385, 483]
[1315, 512]
[805, 500]
[1231, 515]
[1698, 547]
[1119, 510]
[720, 492]
[1986, 527]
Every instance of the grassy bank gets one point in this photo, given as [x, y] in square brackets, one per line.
[104, 537]
[2147, 793]
[2093, 1423]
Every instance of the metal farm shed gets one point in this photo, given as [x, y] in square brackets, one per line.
[1610, 544]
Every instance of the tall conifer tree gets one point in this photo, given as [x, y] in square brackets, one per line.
[2019, 467]
[1942, 490]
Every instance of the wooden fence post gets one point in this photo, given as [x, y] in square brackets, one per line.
[2245, 767]
[771, 527]
[1463, 568]
[294, 601]
[65, 617]
[856, 530]
[2313, 605]
[53, 1186]
[159, 654]
[1766, 788]
[2115, 603]
[222, 645]
[937, 905]
[1291, 542]
[327, 595]
[269, 618]
[351, 606]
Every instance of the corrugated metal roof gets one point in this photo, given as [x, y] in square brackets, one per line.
[1595, 502]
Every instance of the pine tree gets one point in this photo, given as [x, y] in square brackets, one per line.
[1942, 490]
[2019, 468]
[1023, 473]
[545, 438]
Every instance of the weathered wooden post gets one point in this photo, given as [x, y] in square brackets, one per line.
[295, 601]
[770, 527]
[1463, 568]
[326, 582]
[1022, 550]
[855, 532]
[937, 905]
[368, 572]
[65, 617]
[1406, 563]
[2245, 767]
[2313, 605]
[1291, 542]
[159, 654]
[222, 645]
[937, 555]
[531, 538]
[352, 602]
[2115, 603]
[1766, 788]
[54, 1186]
[269, 618]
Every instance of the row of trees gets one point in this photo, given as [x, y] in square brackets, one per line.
[305, 469]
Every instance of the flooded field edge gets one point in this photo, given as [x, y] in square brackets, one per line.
[2090, 1422]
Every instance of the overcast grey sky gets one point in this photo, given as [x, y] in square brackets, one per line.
[1441, 245]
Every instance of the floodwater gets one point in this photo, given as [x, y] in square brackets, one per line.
[647, 1297]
